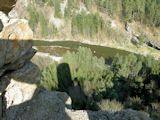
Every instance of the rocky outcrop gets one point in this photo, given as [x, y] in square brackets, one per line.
[15, 52]
[152, 44]
[44, 106]
[55, 106]
[15, 44]
[22, 87]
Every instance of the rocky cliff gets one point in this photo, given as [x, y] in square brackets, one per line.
[20, 96]
[15, 53]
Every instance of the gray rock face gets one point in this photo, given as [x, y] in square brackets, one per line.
[15, 44]
[44, 106]
[130, 114]
[20, 86]
[15, 51]
[50, 106]
[53, 106]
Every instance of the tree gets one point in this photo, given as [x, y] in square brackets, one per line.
[57, 9]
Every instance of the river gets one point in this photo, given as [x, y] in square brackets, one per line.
[58, 48]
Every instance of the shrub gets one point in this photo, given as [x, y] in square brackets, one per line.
[49, 77]
[81, 72]
[110, 105]
[87, 24]
[89, 70]
[57, 9]
[135, 103]
[33, 17]
[43, 24]
[132, 80]
[155, 111]
[141, 39]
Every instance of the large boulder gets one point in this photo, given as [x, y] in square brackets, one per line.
[130, 114]
[7, 5]
[15, 44]
[18, 87]
[15, 51]
[53, 105]
[44, 106]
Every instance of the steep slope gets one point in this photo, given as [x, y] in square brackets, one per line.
[20, 95]
[97, 22]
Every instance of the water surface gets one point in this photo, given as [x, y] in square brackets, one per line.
[58, 48]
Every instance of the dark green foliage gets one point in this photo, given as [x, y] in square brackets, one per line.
[132, 80]
[54, 30]
[49, 77]
[135, 103]
[87, 24]
[50, 2]
[67, 13]
[82, 75]
[155, 111]
[42, 2]
[93, 24]
[43, 23]
[141, 39]
[139, 76]
[89, 70]
[111, 7]
[89, 73]
[57, 9]
[146, 11]
[34, 17]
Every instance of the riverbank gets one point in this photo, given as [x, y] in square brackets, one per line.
[142, 50]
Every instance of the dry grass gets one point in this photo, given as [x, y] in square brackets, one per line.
[110, 105]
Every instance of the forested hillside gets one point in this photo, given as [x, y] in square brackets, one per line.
[97, 21]
[125, 24]
[145, 11]
[131, 81]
